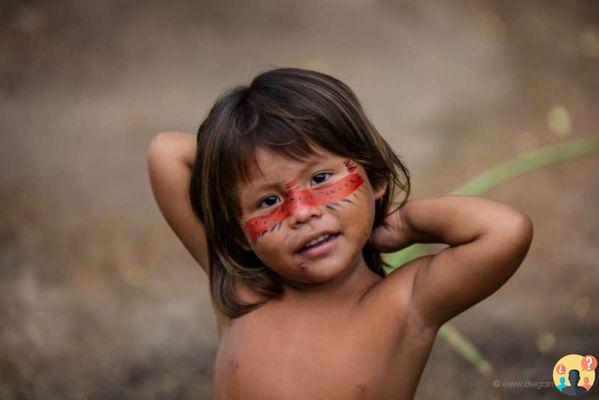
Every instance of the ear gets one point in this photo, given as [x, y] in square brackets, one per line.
[380, 190]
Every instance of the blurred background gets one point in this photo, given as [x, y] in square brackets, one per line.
[99, 299]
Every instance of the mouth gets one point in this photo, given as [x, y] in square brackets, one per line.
[319, 246]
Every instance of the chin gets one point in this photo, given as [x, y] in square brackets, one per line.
[320, 272]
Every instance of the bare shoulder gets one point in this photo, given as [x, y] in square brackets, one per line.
[244, 293]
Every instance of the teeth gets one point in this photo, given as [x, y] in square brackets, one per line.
[318, 239]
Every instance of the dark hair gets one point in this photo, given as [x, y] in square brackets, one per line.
[290, 111]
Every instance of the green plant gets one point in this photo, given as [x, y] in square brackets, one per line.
[484, 182]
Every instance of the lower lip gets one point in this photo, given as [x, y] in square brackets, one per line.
[321, 249]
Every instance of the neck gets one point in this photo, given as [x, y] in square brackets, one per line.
[347, 287]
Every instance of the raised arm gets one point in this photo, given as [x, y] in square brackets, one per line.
[170, 157]
[487, 242]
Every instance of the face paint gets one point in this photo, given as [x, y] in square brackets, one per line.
[329, 195]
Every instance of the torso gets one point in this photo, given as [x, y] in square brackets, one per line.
[358, 351]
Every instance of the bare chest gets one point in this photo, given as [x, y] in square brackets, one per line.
[338, 356]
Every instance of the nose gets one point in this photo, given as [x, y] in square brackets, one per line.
[302, 210]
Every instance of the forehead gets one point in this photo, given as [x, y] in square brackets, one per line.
[273, 167]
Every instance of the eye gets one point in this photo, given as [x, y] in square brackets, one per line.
[321, 177]
[264, 200]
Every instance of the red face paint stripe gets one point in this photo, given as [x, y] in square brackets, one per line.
[258, 226]
[350, 165]
[290, 185]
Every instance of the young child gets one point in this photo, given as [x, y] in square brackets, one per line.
[286, 198]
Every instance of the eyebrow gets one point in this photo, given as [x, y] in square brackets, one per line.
[276, 184]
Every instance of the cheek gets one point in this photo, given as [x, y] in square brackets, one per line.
[270, 251]
[361, 223]
[257, 227]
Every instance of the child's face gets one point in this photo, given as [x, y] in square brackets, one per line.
[326, 193]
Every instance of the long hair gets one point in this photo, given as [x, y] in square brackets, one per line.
[290, 111]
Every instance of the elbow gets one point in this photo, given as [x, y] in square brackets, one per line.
[519, 231]
[155, 144]
[162, 146]
[159, 142]
[514, 239]
[152, 155]
[524, 226]
[172, 146]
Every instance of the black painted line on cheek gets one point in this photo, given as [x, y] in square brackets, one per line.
[361, 189]
[330, 206]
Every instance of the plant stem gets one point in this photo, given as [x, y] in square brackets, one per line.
[484, 182]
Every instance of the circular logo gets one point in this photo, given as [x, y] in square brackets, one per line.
[574, 374]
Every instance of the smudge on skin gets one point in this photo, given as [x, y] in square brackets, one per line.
[330, 195]
[302, 266]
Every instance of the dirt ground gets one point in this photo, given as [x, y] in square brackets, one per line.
[99, 300]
